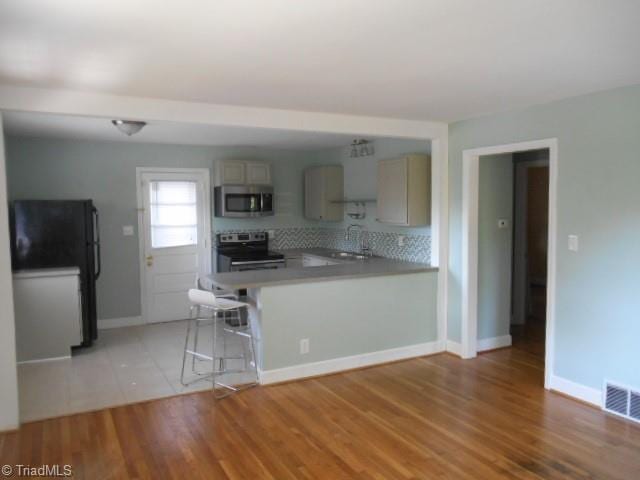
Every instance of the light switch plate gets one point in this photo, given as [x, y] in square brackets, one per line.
[401, 239]
[272, 234]
[128, 231]
[573, 243]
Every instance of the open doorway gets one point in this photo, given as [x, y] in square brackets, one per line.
[530, 251]
[487, 299]
[513, 228]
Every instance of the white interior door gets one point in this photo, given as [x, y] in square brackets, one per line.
[175, 214]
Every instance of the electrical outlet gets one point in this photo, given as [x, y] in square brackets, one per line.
[127, 230]
[304, 346]
[271, 234]
[401, 240]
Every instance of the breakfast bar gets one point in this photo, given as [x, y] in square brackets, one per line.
[348, 312]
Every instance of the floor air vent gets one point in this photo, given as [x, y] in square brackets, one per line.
[622, 401]
[634, 406]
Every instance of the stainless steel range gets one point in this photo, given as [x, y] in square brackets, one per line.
[238, 252]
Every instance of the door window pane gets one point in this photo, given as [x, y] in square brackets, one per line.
[173, 214]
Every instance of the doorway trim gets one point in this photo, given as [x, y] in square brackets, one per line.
[470, 199]
[205, 173]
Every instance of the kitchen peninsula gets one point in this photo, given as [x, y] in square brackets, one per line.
[351, 313]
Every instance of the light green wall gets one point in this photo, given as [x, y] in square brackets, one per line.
[346, 317]
[494, 245]
[105, 172]
[597, 327]
[361, 174]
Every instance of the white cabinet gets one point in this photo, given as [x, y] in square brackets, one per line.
[258, 173]
[231, 173]
[404, 190]
[238, 172]
[323, 187]
[48, 312]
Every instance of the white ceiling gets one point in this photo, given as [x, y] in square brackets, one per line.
[101, 129]
[413, 59]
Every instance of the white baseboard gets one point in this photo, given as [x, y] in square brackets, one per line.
[482, 345]
[576, 390]
[454, 347]
[42, 360]
[493, 343]
[348, 363]
[107, 323]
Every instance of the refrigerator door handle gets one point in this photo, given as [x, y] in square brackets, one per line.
[97, 243]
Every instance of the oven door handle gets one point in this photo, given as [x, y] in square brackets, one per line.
[256, 262]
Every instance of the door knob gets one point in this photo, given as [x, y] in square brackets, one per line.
[149, 261]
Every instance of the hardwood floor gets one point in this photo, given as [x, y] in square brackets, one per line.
[531, 336]
[434, 417]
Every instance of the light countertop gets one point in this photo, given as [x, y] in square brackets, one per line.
[345, 269]
[46, 272]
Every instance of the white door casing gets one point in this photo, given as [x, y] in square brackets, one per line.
[470, 197]
[168, 269]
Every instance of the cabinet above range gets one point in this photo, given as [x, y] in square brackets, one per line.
[243, 189]
[242, 172]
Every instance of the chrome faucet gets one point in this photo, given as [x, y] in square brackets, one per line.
[363, 233]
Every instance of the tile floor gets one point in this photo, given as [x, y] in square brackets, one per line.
[125, 365]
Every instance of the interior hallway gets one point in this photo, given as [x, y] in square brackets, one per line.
[530, 336]
[432, 417]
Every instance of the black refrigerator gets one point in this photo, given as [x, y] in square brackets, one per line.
[60, 233]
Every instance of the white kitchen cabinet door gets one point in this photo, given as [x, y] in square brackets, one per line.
[392, 191]
[313, 193]
[258, 173]
[404, 190]
[323, 187]
[231, 173]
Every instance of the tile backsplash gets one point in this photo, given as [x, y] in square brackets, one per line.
[416, 248]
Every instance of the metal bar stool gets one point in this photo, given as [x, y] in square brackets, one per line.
[228, 315]
[209, 309]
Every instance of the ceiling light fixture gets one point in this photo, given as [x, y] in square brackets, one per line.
[128, 127]
[361, 148]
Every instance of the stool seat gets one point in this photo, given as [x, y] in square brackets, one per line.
[213, 301]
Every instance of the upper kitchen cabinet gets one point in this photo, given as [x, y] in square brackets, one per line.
[404, 190]
[236, 172]
[258, 173]
[323, 188]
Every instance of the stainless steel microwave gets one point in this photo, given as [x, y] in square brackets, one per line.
[243, 201]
